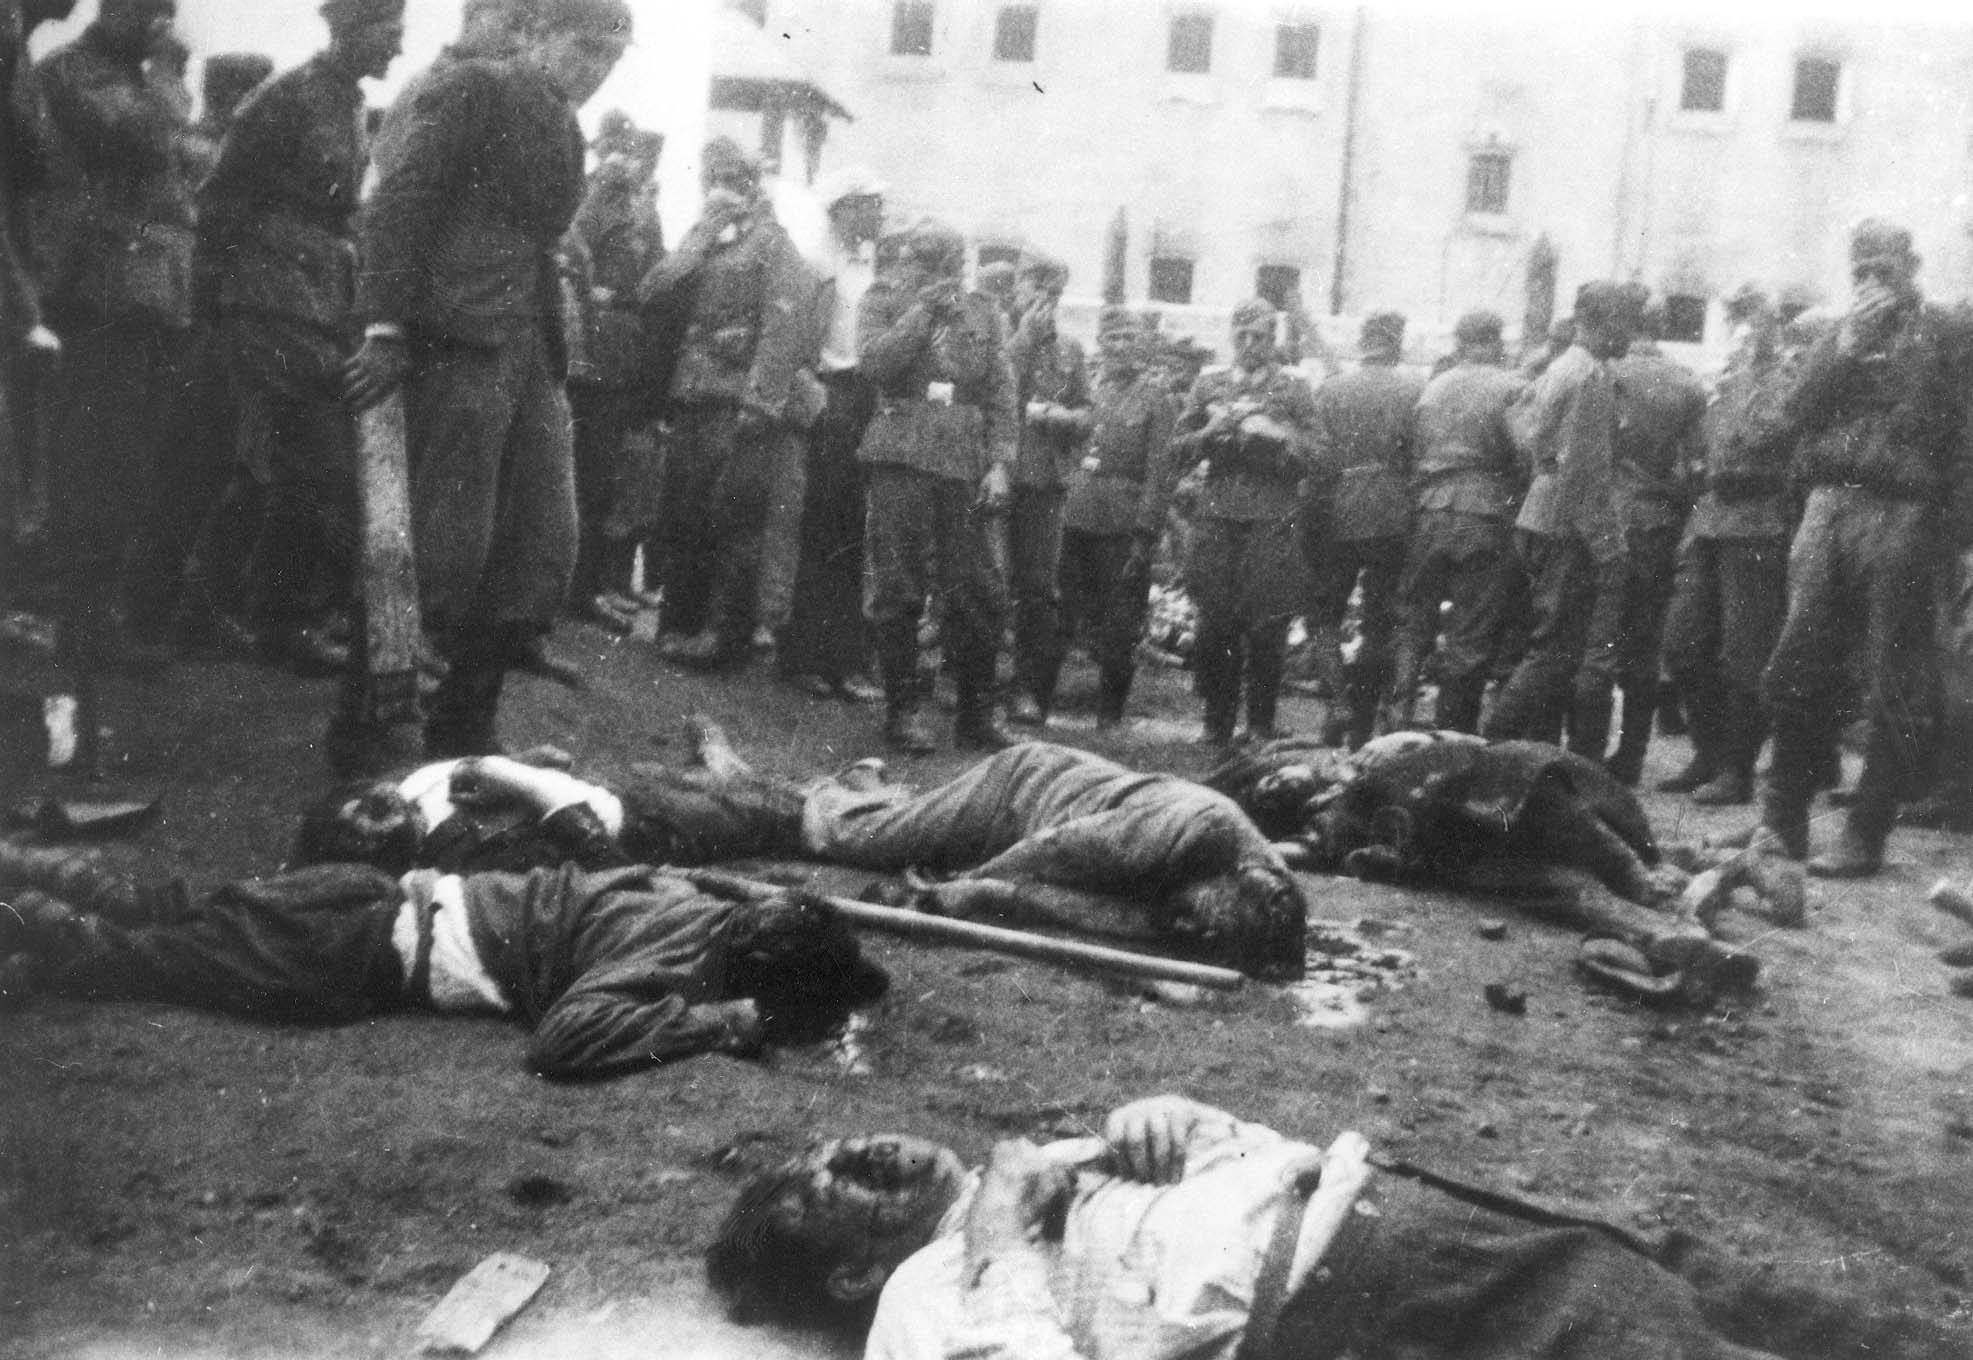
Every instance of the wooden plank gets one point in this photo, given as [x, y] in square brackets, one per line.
[390, 577]
[493, 1291]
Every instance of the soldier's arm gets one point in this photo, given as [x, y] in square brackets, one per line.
[892, 331]
[1076, 417]
[1002, 416]
[265, 139]
[1161, 467]
[785, 313]
[1298, 414]
[403, 221]
[110, 123]
[1188, 444]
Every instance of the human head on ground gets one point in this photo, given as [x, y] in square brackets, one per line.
[574, 43]
[366, 36]
[816, 1238]
[1252, 919]
[365, 821]
[1382, 338]
[1253, 334]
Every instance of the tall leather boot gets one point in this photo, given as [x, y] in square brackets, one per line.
[1859, 848]
[1112, 692]
[1589, 718]
[1634, 735]
[1267, 655]
[1325, 657]
[1790, 787]
[1736, 729]
[1708, 712]
[973, 726]
[905, 728]
[1400, 705]
[1216, 660]
[1365, 683]
[465, 709]
[1459, 703]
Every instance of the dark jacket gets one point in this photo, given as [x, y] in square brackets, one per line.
[621, 235]
[1249, 478]
[1362, 419]
[113, 224]
[750, 317]
[1892, 421]
[1462, 453]
[459, 241]
[1054, 371]
[1658, 446]
[945, 393]
[1130, 486]
[277, 219]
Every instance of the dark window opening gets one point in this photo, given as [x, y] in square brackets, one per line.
[1171, 279]
[1685, 318]
[911, 28]
[1488, 177]
[1703, 90]
[1013, 33]
[1278, 284]
[1189, 44]
[1816, 82]
[1295, 47]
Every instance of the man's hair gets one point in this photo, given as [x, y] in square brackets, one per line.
[1600, 304]
[1045, 270]
[800, 962]
[365, 821]
[1252, 919]
[767, 1267]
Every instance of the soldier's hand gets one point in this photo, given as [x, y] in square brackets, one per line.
[375, 371]
[995, 489]
[940, 297]
[1869, 317]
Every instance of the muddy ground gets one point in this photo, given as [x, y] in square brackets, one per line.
[177, 1184]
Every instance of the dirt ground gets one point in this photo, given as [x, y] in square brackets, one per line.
[178, 1184]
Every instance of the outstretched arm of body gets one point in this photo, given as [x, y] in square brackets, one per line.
[620, 1020]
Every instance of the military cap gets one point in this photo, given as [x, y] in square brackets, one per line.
[598, 18]
[1252, 313]
[851, 181]
[1876, 238]
[1745, 301]
[935, 245]
[1120, 322]
[1600, 302]
[355, 13]
[996, 278]
[1478, 328]
[230, 76]
[1382, 330]
[1047, 268]
[725, 158]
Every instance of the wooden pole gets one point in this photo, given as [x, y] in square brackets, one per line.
[916, 925]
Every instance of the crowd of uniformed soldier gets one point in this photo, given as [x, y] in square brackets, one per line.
[803, 453]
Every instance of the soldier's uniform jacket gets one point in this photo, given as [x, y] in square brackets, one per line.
[750, 320]
[277, 219]
[1659, 444]
[1249, 478]
[113, 225]
[1463, 454]
[945, 393]
[459, 241]
[1892, 422]
[620, 234]
[1746, 488]
[1056, 372]
[1568, 428]
[1362, 420]
[1128, 489]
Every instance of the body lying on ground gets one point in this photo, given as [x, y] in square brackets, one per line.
[612, 971]
[1185, 1232]
[1518, 819]
[1117, 851]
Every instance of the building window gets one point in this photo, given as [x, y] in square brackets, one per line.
[911, 28]
[1703, 86]
[1816, 82]
[1277, 284]
[1189, 44]
[1171, 279]
[1013, 33]
[1489, 174]
[1294, 51]
[1685, 318]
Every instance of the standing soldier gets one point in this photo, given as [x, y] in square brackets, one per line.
[1116, 512]
[1467, 479]
[1658, 450]
[1732, 588]
[745, 327]
[1252, 425]
[114, 232]
[1356, 518]
[1051, 390]
[461, 303]
[939, 453]
[1877, 413]
[277, 228]
[1567, 536]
